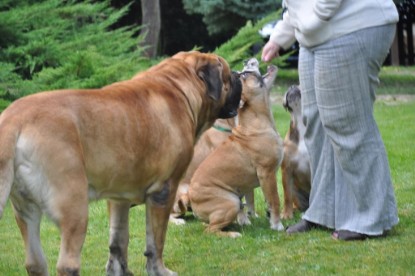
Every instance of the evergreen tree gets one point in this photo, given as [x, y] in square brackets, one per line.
[63, 44]
[239, 48]
[229, 15]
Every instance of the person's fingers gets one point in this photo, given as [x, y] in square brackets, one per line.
[270, 51]
[266, 53]
[268, 56]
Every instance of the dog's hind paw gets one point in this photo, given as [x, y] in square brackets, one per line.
[277, 226]
[177, 221]
[234, 234]
[220, 233]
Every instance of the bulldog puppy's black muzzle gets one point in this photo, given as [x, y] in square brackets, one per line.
[230, 109]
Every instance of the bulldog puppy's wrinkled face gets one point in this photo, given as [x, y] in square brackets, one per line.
[292, 99]
[251, 65]
[251, 78]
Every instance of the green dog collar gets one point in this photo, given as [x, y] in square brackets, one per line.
[223, 129]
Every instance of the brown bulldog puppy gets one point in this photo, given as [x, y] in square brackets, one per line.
[249, 158]
[210, 140]
[129, 142]
[295, 167]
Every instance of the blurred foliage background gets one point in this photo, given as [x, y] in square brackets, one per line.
[52, 44]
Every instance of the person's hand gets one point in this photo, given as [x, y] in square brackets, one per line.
[270, 51]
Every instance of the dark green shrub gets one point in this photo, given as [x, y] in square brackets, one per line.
[222, 16]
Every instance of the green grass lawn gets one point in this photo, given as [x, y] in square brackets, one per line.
[260, 251]
[393, 80]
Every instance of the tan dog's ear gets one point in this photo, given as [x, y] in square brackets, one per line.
[211, 76]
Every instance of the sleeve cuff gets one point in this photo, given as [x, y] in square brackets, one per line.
[283, 34]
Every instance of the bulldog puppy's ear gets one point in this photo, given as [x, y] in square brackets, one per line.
[285, 102]
[211, 76]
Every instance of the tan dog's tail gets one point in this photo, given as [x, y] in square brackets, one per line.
[8, 137]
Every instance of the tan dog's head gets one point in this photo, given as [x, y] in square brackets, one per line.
[252, 65]
[222, 85]
[292, 99]
[252, 79]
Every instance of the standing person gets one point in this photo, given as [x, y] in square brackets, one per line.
[343, 44]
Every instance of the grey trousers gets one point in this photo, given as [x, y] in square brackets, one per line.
[351, 182]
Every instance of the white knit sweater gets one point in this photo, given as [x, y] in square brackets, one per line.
[313, 22]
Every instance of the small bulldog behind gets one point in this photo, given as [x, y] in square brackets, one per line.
[295, 166]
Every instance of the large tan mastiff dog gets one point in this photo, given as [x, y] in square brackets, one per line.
[129, 142]
[250, 157]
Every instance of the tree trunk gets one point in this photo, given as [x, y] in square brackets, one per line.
[150, 26]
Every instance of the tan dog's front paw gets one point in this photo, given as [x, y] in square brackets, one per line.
[277, 226]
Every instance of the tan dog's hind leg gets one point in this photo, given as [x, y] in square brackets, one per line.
[55, 184]
[218, 207]
[28, 220]
[221, 218]
[73, 225]
[158, 207]
[119, 237]
[268, 183]
[287, 184]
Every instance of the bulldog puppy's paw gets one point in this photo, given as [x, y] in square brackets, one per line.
[277, 226]
[243, 219]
